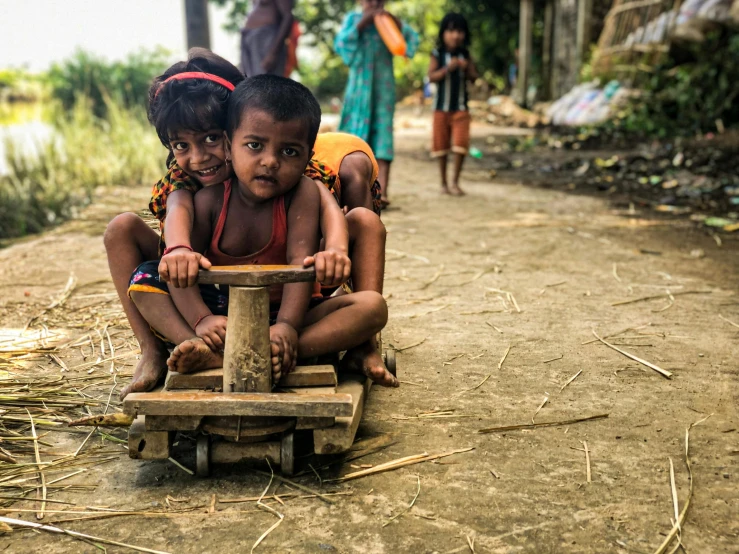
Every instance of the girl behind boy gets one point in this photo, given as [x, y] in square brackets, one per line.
[195, 142]
[450, 68]
[369, 102]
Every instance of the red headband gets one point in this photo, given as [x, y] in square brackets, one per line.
[196, 75]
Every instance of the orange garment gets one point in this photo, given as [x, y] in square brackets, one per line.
[332, 148]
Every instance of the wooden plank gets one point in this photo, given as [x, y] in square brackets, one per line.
[246, 354]
[209, 379]
[256, 275]
[148, 445]
[307, 390]
[314, 422]
[340, 437]
[226, 452]
[212, 379]
[173, 423]
[310, 376]
[244, 404]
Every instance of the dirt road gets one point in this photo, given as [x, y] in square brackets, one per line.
[506, 269]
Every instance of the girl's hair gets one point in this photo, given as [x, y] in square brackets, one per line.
[191, 104]
[453, 21]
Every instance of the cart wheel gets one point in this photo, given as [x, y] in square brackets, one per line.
[202, 456]
[390, 361]
[287, 454]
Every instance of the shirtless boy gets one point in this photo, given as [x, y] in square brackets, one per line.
[268, 213]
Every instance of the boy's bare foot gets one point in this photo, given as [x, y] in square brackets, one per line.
[365, 359]
[444, 189]
[456, 191]
[193, 355]
[151, 367]
[384, 202]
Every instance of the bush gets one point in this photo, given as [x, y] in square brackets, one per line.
[686, 99]
[85, 153]
[127, 81]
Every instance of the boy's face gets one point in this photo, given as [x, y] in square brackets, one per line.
[453, 38]
[268, 156]
[201, 155]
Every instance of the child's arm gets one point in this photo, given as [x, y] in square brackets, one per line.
[180, 266]
[302, 241]
[189, 302]
[470, 70]
[437, 73]
[333, 266]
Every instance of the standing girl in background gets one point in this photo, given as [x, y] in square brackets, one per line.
[450, 68]
[369, 102]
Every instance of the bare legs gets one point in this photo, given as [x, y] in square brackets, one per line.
[384, 178]
[355, 174]
[458, 163]
[129, 242]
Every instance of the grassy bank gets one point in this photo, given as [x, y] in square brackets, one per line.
[86, 152]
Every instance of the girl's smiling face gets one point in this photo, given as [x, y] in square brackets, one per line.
[371, 5]
[202, 155]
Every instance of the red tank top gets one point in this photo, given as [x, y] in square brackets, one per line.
[273, 253]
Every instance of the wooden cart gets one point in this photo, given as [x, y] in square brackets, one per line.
[236, 412]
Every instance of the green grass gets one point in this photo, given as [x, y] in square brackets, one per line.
[87, 153]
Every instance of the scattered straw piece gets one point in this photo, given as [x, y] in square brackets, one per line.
[401, 462]
[431, 311]
[296, 485]
[494, 327]
[553, 359]
[389, 521]
[412, 345]
[570, 380]
[729, 321]
[650, 365]
[676, 527]
[546, 399]
[587, 462]
[500, 364]
[542, 424]
[179, 465]
[433, 279]
[655, 296]
[673, 488]
[268, 509]
[471, 543]
[42, 476]
[75, 534]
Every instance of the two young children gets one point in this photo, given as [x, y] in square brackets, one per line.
[249, 196]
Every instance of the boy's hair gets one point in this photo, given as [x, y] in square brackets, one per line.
[282, 98]
[191, 104]
[453, 21]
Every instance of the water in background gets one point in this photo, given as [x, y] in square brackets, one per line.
[24, 127]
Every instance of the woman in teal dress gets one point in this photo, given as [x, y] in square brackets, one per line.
[369, 102]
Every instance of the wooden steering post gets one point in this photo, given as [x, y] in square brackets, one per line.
[246, 360]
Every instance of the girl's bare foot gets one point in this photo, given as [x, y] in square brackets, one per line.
[151, 367]
[365, 359]
[384, 202]
[444, 189]
[456, 191]
[193, 355]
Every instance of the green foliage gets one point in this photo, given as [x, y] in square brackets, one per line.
[125, 81]
[19, 85]
[687, 99]
[86, 152]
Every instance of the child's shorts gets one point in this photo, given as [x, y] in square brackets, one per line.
[451, 132]
[146, 279]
